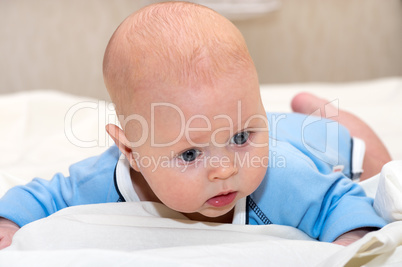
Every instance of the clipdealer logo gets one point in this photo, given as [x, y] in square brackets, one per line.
[103, 113]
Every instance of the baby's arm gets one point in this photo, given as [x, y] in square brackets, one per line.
[352, 236]
[7, 231]
[90, 181]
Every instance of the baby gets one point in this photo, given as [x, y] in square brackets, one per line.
[195, 137]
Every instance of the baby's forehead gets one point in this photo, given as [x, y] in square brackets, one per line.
[194, 102]
[167, 112]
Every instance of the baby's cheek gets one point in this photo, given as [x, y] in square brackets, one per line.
[255, 175]
[180, 196]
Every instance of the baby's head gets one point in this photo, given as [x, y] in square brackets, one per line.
[187, 95]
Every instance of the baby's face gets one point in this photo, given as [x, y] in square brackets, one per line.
[206, 147]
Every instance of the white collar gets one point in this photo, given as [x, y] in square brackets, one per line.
[126, 188]
[123, 180]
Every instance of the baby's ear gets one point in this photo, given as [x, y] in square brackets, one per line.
[122, 143]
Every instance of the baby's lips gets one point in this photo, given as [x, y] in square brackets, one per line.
[222, 200]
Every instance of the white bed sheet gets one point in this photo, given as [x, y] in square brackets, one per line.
[134, 233]
[40, 134]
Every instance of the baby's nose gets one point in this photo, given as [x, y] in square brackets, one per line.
[223, 168]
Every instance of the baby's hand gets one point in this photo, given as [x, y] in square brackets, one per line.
[7, 231]
[352, 236]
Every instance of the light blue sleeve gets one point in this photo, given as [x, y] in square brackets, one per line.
[326, 142]
[296, 194]
[91, 181]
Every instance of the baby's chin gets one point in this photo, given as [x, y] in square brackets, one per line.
[216, 214]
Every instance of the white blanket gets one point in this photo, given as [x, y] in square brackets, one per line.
[40, 134]
[134, 233]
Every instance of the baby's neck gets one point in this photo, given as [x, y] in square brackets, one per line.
[226, 218]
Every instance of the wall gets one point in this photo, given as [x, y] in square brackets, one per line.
[57, 44]
[331, 41]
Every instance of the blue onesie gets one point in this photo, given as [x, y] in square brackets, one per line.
[307, 184]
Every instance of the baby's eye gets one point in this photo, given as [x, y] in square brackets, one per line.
[240, 138]
[190, 155]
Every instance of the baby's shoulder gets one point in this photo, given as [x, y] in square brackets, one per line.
[103, 164]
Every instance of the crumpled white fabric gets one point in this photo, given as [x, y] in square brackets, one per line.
[145, 233]
[388, 199]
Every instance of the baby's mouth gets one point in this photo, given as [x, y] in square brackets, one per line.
[222, 200]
